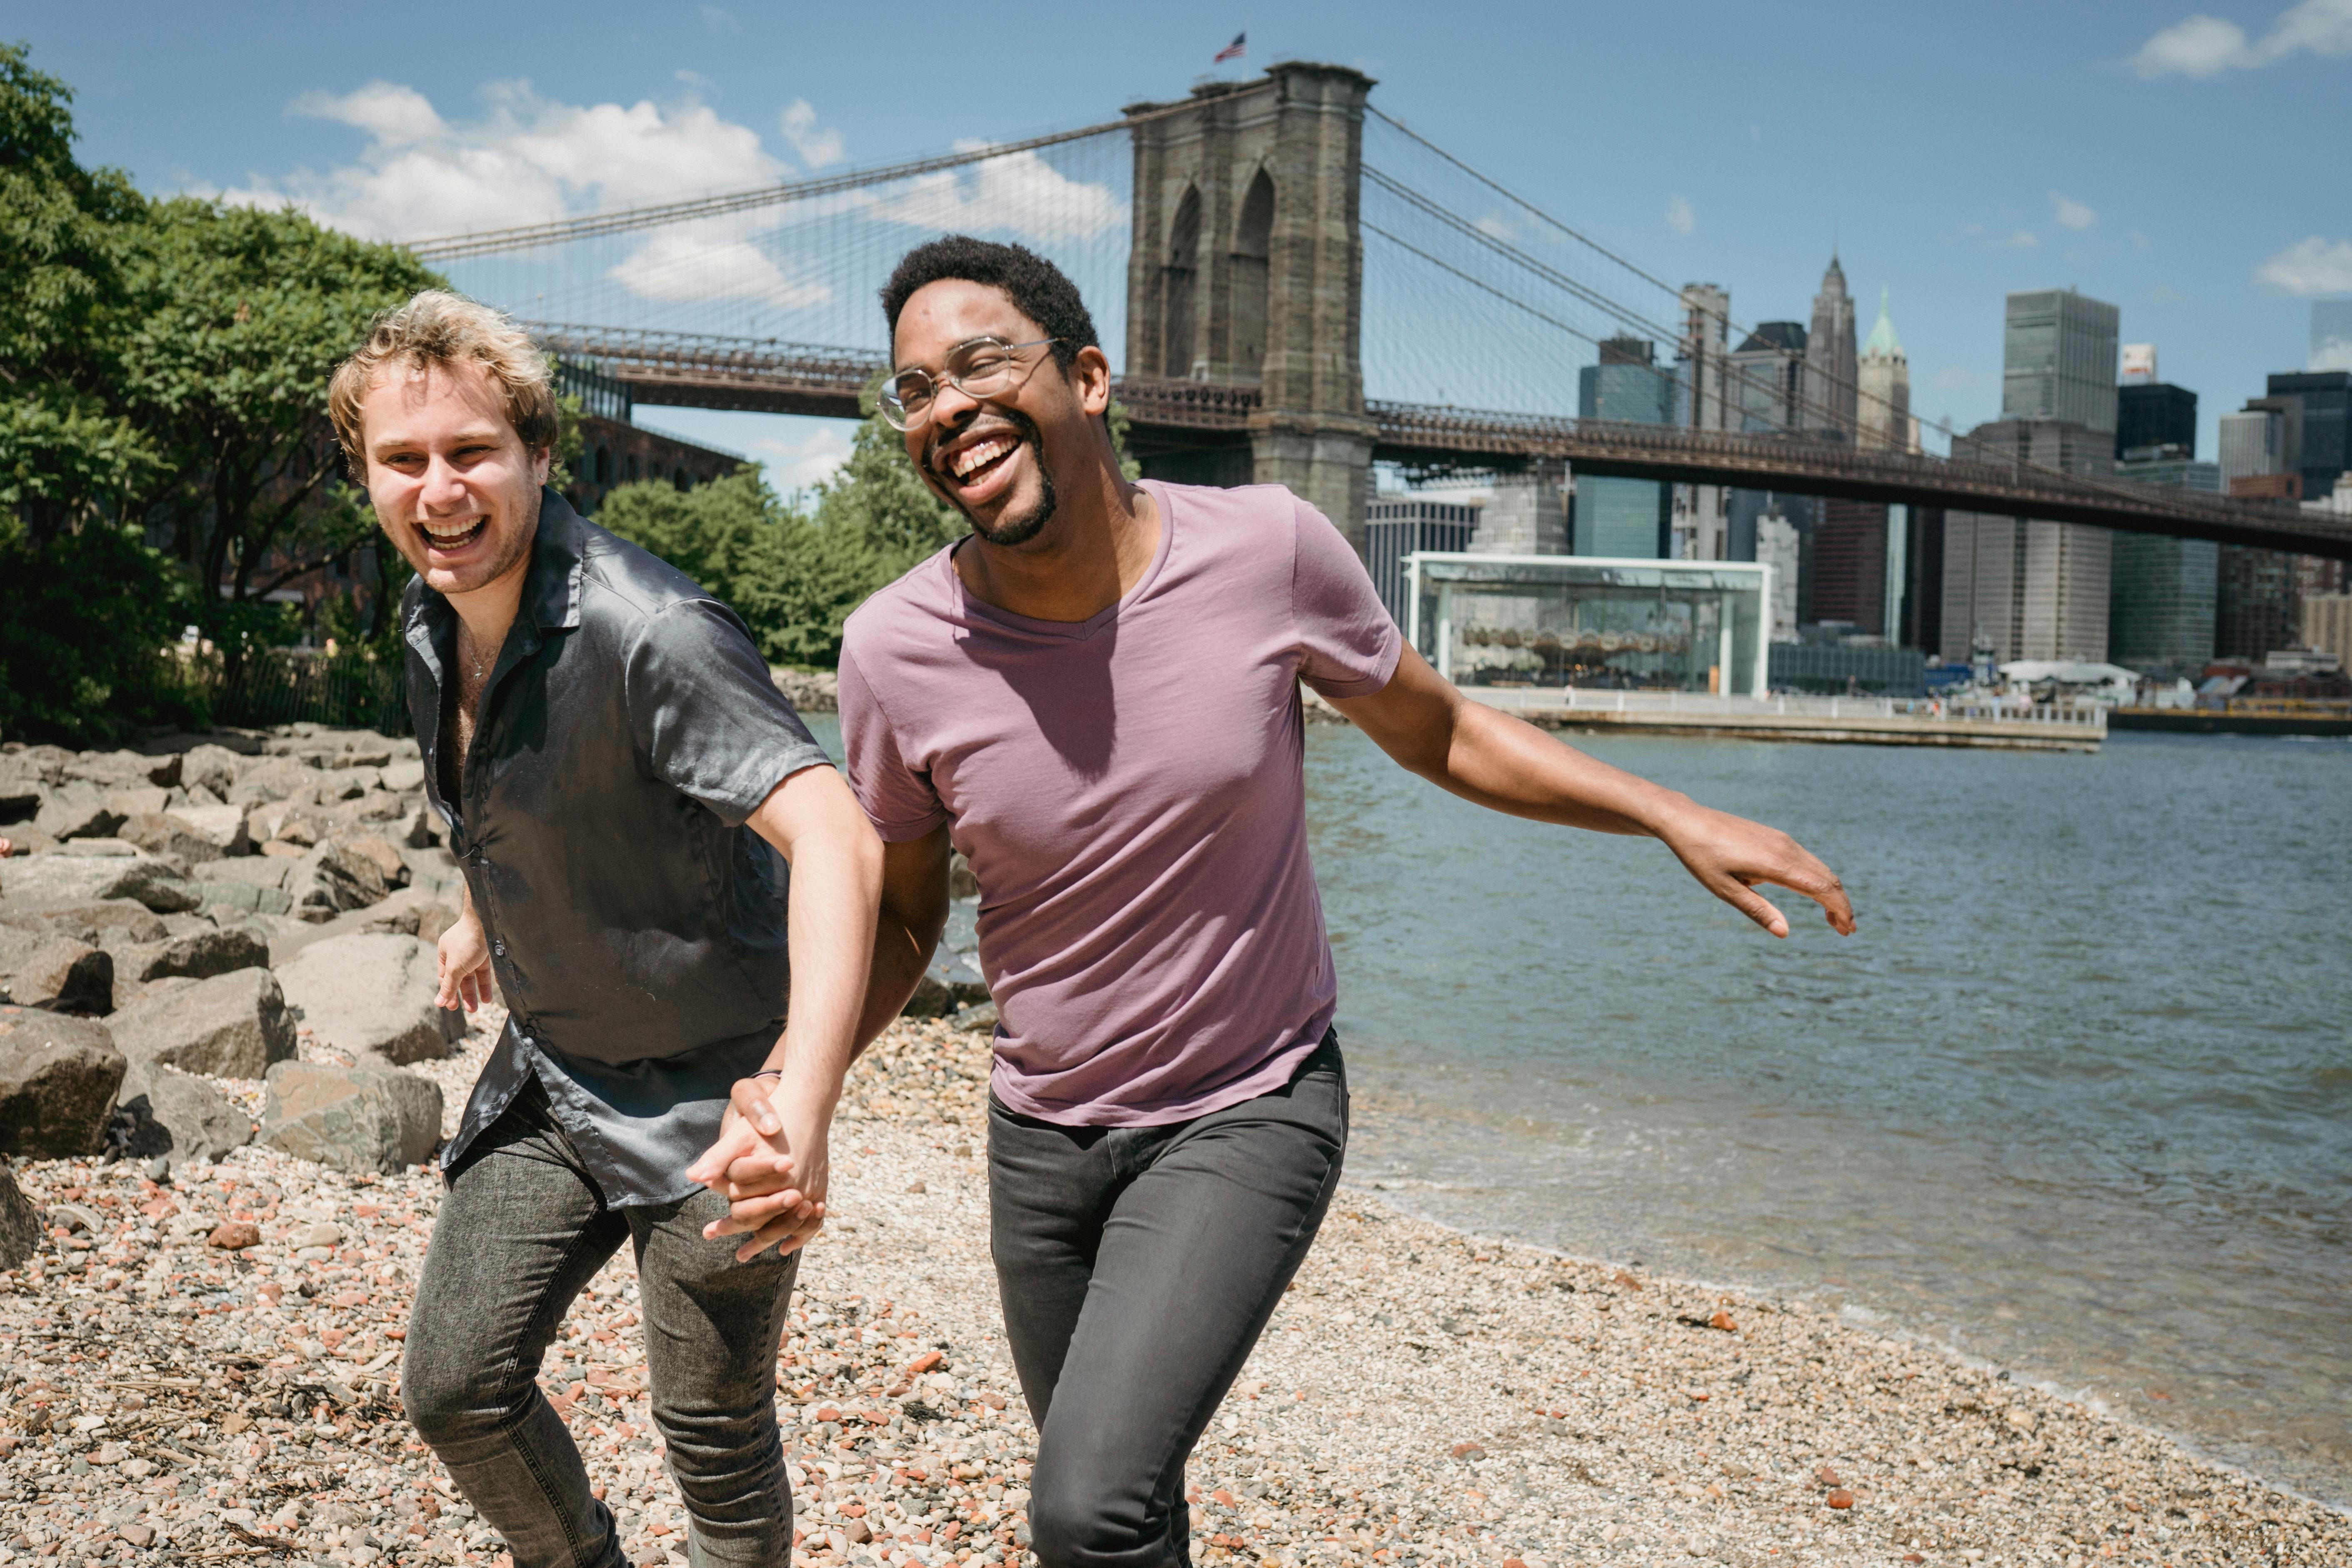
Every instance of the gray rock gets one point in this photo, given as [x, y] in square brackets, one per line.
[145, 801]
[980, 1018]
[58, 1079]
[20, 1227]
[222, 826]
[161, 834]
[373, 848]
[372, 992]
[333, 879]
[125, 770]
[79, 879]
[108, 920]
[254, 871]
[21, 797]
[933, 999]
[404, 777]
[231, 1026]
[273, 780]
[211, 767]
[961, 882]
[54, 972]
[178, 1117]
[433, 868]
[76, 809]
[102, 849]
[198, 954]
[351, 1119]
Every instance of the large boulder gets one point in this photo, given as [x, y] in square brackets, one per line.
[273, 780]
[99, 923]
[46, 970]
[222, 826]
[144, 801]
[333, 879]
[40, 879]
[76, 809]
[405, 777]
[211, 767]
[372, 993]
[58, 1079]
[179, 1117]
[125, 770]
[231, 1026]
[198, 954]
[162, 835]
[20, 1227]
[351, 1119]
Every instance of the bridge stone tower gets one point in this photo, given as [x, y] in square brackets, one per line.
[1247, 269]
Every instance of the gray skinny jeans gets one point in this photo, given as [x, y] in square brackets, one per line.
[1137, 1266]
[521, 1231]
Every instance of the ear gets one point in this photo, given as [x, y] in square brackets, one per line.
[542, 463]
[1089, 376]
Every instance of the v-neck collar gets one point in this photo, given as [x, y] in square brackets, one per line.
[971, 604]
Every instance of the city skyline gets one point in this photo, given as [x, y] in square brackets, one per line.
[2167, 204]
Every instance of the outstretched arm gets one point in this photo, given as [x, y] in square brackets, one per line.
[1508, 766]
[815, 823]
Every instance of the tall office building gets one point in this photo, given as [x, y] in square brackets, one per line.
[1883, 420]
[2038, 589]
[1849, 566]
[2155, 420]
[1830, 365]
[2058, 359]
[2318, 406]
[1778, 547]
[2164, 593]
[2252, 442]
[1623, 517]
[1766, 379]
[2331, 335]
[1697, 526]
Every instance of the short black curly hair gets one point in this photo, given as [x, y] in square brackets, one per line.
[1036, 287]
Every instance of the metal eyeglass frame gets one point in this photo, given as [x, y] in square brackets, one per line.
[893, 410]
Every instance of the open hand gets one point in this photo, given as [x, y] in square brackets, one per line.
[463, 960]
[1730, 856]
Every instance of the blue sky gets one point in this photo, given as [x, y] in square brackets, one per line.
[2188, 167]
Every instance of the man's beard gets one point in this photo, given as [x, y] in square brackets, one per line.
[1012, 530]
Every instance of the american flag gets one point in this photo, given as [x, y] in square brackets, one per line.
[1234, 50]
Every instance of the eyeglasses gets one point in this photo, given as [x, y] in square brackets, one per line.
[977, 367]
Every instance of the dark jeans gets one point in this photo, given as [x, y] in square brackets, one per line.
[521, 1231]
[1137, 1266]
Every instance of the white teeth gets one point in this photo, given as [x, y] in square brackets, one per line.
[448, 532]
[972, 457]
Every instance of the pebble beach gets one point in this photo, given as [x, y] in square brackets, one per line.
[206, 1371]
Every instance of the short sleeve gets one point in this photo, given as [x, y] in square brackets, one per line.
[1348, 644]
[705, 715]
[897, 797]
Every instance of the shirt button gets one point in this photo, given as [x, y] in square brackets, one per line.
[499, 948]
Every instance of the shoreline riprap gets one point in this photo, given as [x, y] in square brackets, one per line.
[1422, 1396]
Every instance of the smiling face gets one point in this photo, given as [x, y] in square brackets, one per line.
[454, 487]
[998, 460]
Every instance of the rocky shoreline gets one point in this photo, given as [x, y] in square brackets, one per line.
[203, 1302]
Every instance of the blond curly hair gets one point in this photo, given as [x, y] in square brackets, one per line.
[438, 328]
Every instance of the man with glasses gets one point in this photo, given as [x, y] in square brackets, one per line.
[1096, 698]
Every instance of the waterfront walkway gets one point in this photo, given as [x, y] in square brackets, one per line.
[1870, 721]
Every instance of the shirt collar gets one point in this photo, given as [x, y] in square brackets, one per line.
[551, 590]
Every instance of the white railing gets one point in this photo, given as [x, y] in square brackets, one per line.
[1973, 710]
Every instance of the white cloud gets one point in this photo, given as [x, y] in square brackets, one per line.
[1020, 193]
[1494, 227]
[2203, 47]
[694, 263]
[526, 160]
[2020, 239]
[817, 148]
[1679, 216]
[2313, 266]
[2331, 353]
[796, 464]
[2070, 213]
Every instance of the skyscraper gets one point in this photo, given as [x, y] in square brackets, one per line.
[2038, 589]
[2058, 359]
[2318, 406]
[1884, 421]
[2331, 335]
[1830, 381]
[1766, 380]
[2154, 419]
[2162, 593]
[1697, 527]
[1623, 517]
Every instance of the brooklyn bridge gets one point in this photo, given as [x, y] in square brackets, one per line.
[1295, 287]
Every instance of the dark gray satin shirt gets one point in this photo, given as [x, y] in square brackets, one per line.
[636, 925]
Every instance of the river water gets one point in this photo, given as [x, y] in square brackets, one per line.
[2077, 1100]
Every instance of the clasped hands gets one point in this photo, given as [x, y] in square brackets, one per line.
[771, 1166]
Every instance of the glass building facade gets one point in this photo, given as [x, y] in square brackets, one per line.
[1633, 624]
[1621, 518]
[2162, 593]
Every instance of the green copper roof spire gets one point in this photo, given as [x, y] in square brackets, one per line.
[1883, 343]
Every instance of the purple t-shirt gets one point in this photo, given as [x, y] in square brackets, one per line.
[1129, 791]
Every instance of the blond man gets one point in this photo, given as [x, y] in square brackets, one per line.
[655, 850]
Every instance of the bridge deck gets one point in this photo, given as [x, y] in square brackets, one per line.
[693, 370]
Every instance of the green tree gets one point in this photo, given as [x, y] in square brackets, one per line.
[877, 498]
[86, 605]
[241, 317]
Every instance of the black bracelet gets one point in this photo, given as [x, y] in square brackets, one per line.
[770, 1072]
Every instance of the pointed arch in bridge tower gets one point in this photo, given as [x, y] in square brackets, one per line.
[1275, 293]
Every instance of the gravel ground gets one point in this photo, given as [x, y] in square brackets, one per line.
[1423, 1398]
